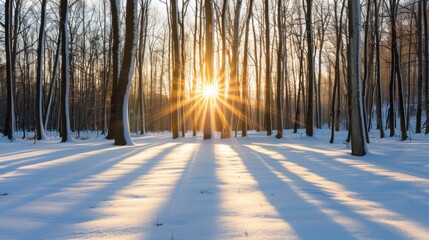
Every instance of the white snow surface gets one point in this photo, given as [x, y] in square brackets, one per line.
[256, 187]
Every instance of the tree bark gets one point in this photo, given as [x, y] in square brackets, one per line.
[356, 106]
[267, 113]
[40, 128]
[65, 67]
[176, 71]
[310, 69]
[209, 67]
[122, 130]
[116, 53]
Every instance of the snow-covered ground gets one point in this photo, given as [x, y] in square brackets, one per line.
[242, 188]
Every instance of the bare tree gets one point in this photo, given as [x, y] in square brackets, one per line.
[310, 67]
[245, 81]
[40, 54]
[65, 68]
[358, 143]
[176, 70]
[268, 94]
[116, 53]
[209, 66]
[122, 130]
[279, 95]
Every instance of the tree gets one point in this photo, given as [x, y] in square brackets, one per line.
[40, 54]
[245, 64]
[358, 143]
[419, 68]
[10, 114]
[65, 115]
[338, 30]
[396, 71]
[176, 70]
[279, 95]
[122, 130]
[226, 128]
[426, 53]
[209, 66]
[378, 68]
[310, 67]
[267, 113]
[116, 53]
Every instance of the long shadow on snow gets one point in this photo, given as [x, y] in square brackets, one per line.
[189, 204]
[287, 202]
[61, 150]
[382, 187]
[81, 211]
[64, 175]
[374, 229]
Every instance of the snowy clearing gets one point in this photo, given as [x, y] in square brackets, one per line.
[242, 188]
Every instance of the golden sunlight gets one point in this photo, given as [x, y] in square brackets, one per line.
[210, 91]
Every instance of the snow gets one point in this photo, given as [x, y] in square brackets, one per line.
[256, 187]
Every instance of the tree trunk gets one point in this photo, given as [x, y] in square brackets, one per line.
[176, 71]
[65, 67]
[10, 112]
[267, 110]
[426, 31]
[40, 54]
[279, 72]
[378, 70]
[209, 67]
[335, 112]
[116, 53]
[122, 130]
[419, 68]
[245, 64]
[356, 106]
[310, 67]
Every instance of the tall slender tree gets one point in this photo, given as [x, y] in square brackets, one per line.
[176, 70]
[310, 67]
[245, 81]
[209, 66]
[122, 129]
[65, 68]
[10, 112]
[279, 95]
[116, 65]
[356, 106]
[267, 110]
[40, 54]
[426, 53]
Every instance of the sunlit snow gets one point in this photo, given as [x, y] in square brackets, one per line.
[256, 187]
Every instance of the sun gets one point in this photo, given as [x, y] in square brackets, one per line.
[210, 91]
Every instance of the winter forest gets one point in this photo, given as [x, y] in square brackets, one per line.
[218, 119]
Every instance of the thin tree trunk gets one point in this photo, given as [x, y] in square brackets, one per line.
[122, 130]
[267, 113]
[378, 70]
[426, 31]
[209, 66]
[245, 63]
[279, 72]
[176, 71]
[116, 53]
[310, 67]
[356, 106]
[10, 112]
[419, 68]
[65, 67]
[40, 54]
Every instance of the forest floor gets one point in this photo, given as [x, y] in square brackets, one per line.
[256, 187]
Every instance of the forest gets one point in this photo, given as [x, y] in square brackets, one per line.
[214, 119]
[139, 66]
